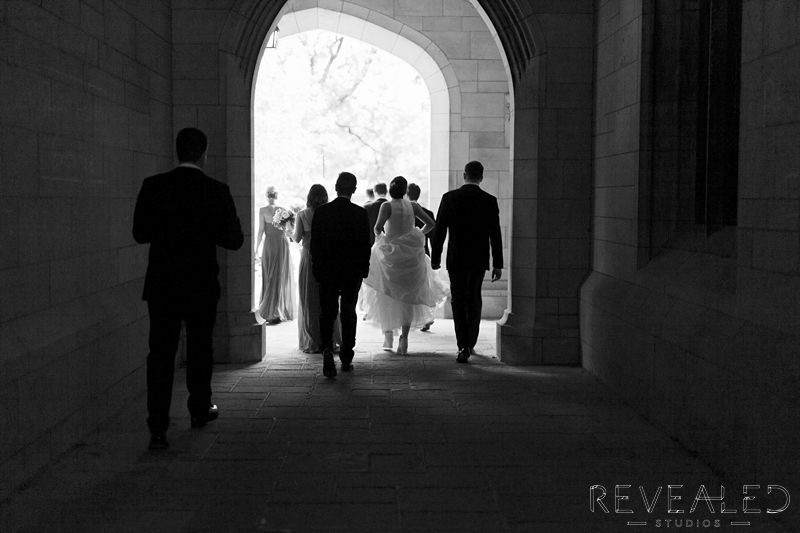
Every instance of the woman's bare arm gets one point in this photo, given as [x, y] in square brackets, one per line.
[424, 217]
[299, 229]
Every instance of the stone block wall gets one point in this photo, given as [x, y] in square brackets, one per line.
[705, 345]
[85, 116]
[210, 93]
[617, 149]
[552, 168]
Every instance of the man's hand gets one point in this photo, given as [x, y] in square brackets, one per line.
[496, 273]
[435, 266]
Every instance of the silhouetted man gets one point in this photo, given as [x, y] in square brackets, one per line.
[374, 208]
[472, 219]
[340, 250]
[184, 215]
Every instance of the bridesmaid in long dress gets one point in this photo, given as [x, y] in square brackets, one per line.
[309, 310]
[277, 294]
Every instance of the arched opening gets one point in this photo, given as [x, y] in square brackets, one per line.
[323, 157]
[324, 103]
[471, 73]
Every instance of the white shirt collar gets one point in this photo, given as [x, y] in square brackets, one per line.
[190, 165]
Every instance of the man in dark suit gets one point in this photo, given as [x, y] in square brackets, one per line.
[472, 219]
[374, 208]
[340, 250]
[184, 215]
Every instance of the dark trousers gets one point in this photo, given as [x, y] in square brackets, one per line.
[165, 330]
[466, 302]
[330, 293]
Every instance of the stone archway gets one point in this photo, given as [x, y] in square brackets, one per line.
[547, 245]
[472, 112]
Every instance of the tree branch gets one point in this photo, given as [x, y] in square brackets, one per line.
[334, 54]
[350, 92]
[350, 130]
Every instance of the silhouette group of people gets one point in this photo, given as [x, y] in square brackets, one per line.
[382, 256]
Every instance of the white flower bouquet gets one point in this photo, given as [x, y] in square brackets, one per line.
[283, 219]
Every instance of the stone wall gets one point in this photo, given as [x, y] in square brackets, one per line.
[85, 116]
[552, 173]
[209, 93]
[704, 344]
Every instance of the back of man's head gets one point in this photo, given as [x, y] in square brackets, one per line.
[381, 189]
[473, 171]
[413, 192]
[370, 194]
[190, 145]
[346, 184]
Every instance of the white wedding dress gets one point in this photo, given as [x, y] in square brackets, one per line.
[401, 288]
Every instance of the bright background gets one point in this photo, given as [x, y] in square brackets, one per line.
[325, 103]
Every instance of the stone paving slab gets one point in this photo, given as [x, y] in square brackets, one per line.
[416, 443]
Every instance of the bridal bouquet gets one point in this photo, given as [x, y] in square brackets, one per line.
[283, 219]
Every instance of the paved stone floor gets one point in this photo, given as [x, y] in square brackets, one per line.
[414, 443]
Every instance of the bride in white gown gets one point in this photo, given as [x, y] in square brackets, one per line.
[401, 290]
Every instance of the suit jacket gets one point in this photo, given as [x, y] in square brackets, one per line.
[471, 217]
[184, 215]
[372, 212]
[340, 246]
[418, 223]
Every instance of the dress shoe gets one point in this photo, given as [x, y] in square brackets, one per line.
[426, 327]
[202, 420]
[402, 345]
[347, 362]
[328, 366]
[158, 441]
[463, 355]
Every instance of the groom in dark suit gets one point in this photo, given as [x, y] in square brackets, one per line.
[471, 217]
[184, 215]
[340, 250]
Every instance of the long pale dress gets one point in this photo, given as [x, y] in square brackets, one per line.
[401, 288]
[277, 294]
[309, 309]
